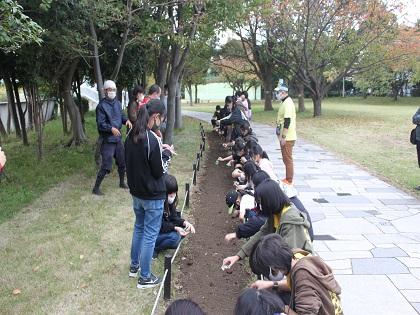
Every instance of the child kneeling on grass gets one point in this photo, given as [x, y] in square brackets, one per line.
[173, 226]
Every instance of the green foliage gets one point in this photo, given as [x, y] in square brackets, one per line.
[16, 28]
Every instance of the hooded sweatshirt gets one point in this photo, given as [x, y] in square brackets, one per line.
[314, 288]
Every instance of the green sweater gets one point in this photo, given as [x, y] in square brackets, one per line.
[293, 229]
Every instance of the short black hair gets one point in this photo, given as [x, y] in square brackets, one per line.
[238, 93]
[228, 99]
[171, 184]
[154, 89]
[138, 89]
[258, 302]
[184, 306]
[259, 177]
[271, 251]
[239, 145]
[270, 197]
[245, 93]
[257, 150]
[217, 107]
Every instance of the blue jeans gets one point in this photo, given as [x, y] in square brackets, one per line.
[167, 240]
[146, 230]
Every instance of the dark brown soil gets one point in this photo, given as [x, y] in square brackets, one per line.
[201, 277]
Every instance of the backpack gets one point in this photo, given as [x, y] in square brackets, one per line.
[413, 137]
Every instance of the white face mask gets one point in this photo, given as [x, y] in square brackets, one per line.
[171, 199]
[277, 277]
[242, 177]
[111, 95]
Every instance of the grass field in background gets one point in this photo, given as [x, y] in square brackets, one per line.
[67, 252]
[372, 132]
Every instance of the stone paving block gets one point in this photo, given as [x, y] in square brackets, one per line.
[349, 237]
[343, 272]
[317, 216]
[388, 252]
[414, 236]
[415, 272]
[320, 246]
[412, 250]
[411, 201]
[372, 295]
[356, 214]
[377, 266]
[387, 238]
[382, 190]
[410, 262]
[409, 224]
[348, 245]
[345, 226]
[338, 264]
[313, 189]
[345, 254]
[347, 199]
[411, 295]
[388, 229]
[405, 281]
[416, 306]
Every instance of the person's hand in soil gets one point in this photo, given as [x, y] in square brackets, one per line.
[229, 237]
[262, 284]
[230, 261]
[181, 231]
[189, 227]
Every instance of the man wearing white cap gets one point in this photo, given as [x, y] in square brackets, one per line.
[109, 119]
[286, 129]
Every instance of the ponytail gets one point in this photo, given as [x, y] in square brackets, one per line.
[140, 126]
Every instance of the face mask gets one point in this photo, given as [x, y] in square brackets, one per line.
[112, 94]
[242, 177]
[155, 126]
[171, 199]
[277, 277]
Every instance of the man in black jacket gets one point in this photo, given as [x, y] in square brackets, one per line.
[109, 120]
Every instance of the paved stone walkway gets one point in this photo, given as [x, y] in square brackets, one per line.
[367, 230]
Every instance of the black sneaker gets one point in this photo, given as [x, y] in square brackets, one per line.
[97, 192]
[148, 283]
[133, 272]
[123, 185]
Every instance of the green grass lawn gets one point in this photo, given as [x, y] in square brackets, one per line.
[66, 250]
[373, 133]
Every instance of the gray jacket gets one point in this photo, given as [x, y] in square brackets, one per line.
[416, 121]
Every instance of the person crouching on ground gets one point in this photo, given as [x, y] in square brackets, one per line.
[283, 218]
[314, 290]
[145, 175]
[173, 226]
[3, 160]
[416, 121]
[258, 302]
[109, 119]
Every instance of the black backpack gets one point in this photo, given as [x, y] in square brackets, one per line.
[413, 136]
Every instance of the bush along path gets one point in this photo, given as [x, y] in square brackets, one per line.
[201, 277]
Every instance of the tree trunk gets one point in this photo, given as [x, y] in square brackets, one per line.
[168, 138]
[161, 71]
[317, 99]
[11, 100]
[21, 113]
[2, 129]
[76, 120]
[178, 109]
[96, 62]
[189, 88]
[196, 94]
[301, 96]
[268, 86]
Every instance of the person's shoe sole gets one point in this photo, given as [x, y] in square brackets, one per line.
[133, 275]
[146, 286]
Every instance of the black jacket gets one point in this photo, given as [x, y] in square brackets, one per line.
[170, 219]
[237, 117]
[145, 167]
[250, 227]
[109, 114]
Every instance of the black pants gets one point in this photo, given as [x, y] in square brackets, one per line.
[418, 151]
[109, 151]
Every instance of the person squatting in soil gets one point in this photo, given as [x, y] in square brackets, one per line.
[173, 228]
[109, 120]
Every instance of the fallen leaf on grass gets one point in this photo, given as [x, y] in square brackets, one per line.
[84, 285]
[36, 268]
[81, 256]
[16, 291]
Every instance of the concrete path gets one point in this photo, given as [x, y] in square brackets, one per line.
[367, 230]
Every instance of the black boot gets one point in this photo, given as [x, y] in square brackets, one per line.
[122, 182]
[99, 178]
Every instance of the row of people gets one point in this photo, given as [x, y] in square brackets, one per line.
[278, 230]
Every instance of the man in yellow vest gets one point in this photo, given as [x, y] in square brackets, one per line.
[286, 129]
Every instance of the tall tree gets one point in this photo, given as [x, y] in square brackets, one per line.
[320, 42]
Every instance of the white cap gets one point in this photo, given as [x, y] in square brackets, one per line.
[109, 84]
